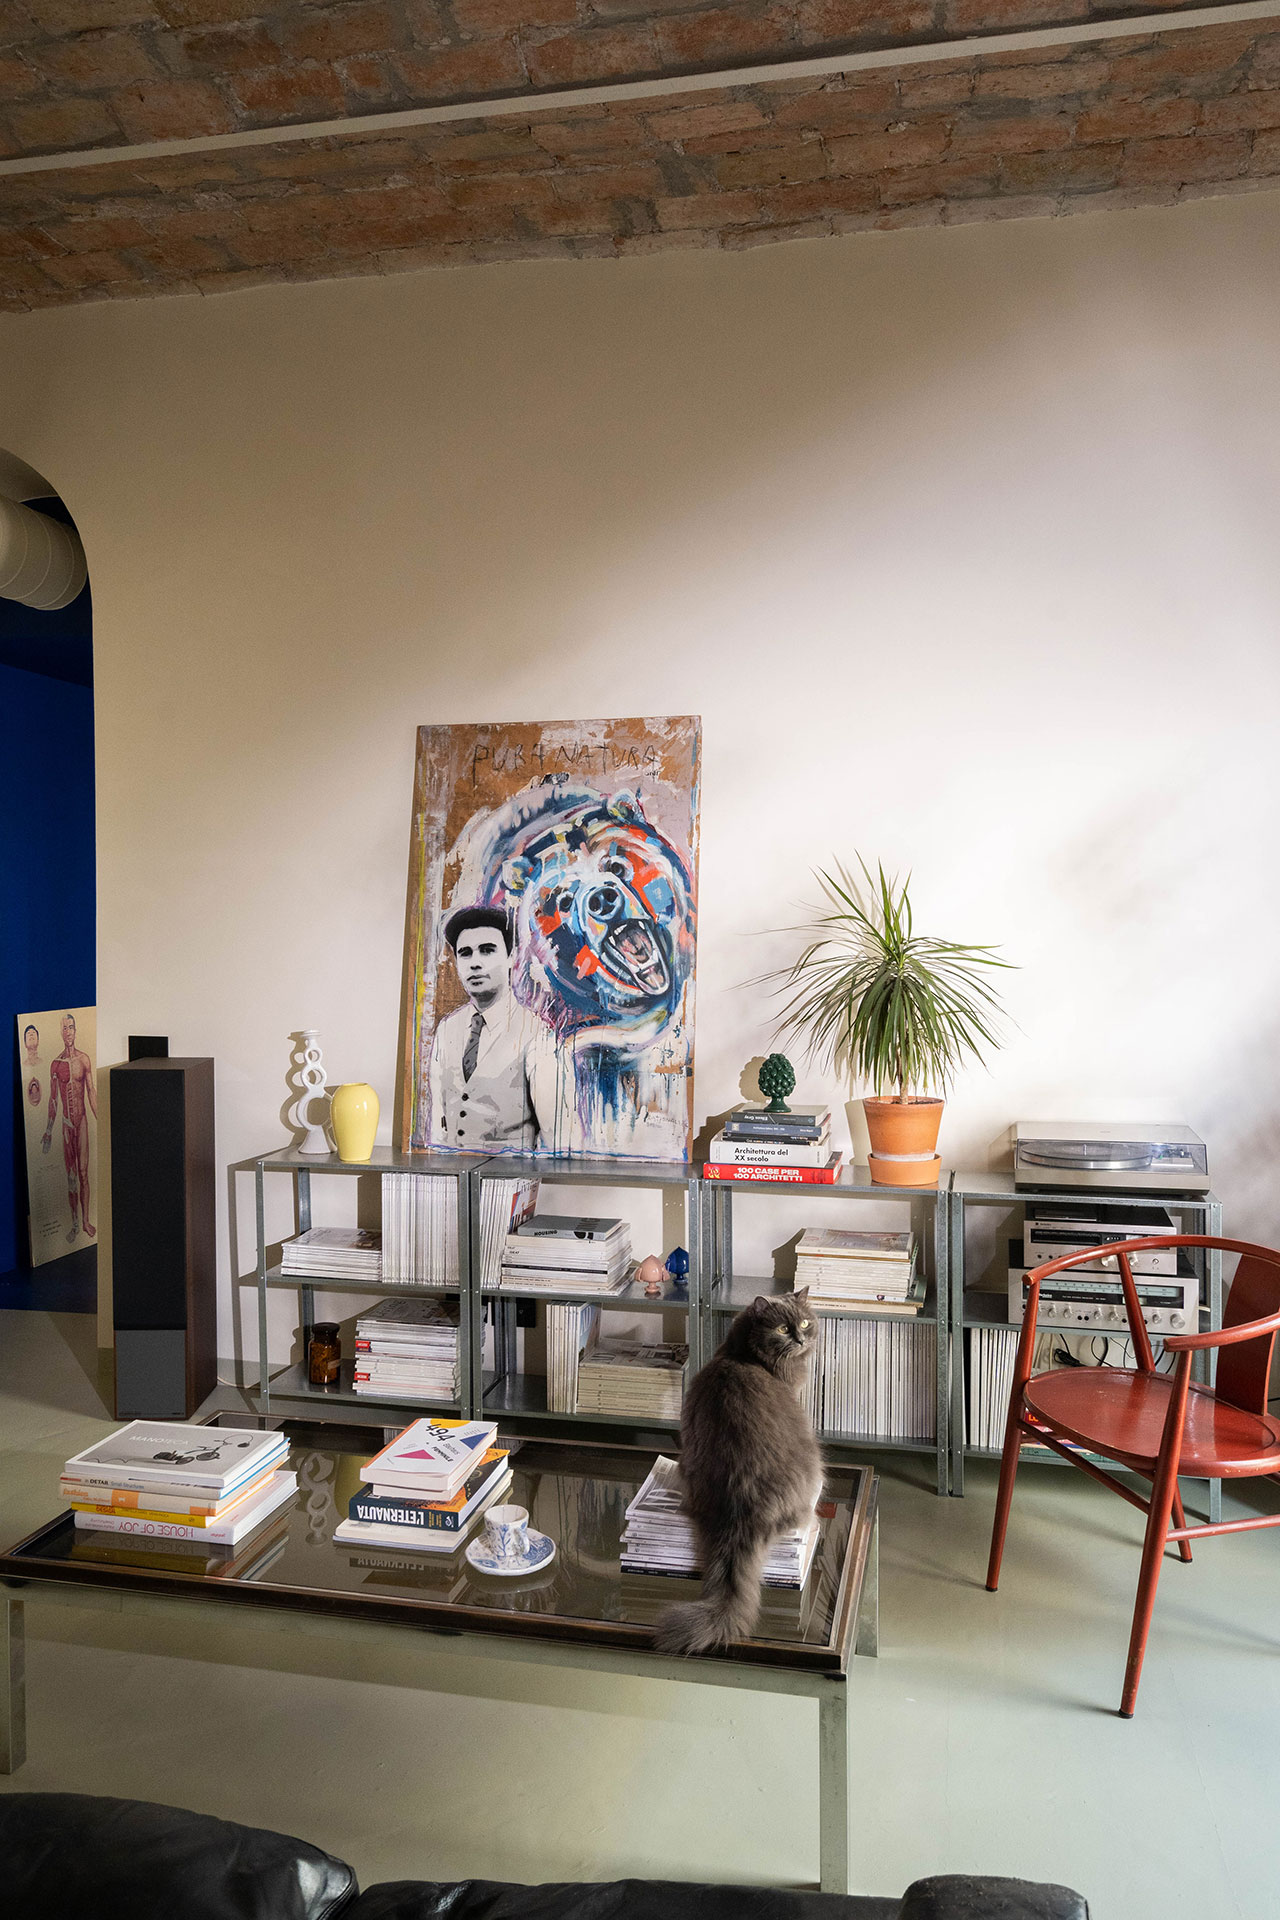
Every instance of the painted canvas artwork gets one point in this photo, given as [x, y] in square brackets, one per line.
[551, 938]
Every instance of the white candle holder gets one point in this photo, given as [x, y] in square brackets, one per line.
[314, 1080]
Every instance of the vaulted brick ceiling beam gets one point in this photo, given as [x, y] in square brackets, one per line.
[931, 136]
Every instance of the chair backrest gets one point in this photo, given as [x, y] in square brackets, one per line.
[1244, 1371]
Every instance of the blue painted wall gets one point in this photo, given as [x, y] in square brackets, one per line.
[48, 904]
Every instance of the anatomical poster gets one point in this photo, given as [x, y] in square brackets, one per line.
[551, 937]
[56, 1054]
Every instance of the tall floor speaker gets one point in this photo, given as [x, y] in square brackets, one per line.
[163, 1256]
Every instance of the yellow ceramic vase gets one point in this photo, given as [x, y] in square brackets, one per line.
[353, 1115]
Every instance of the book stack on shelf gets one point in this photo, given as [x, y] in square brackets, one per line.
[173, 1481]
[419, 1230]
[565, 1253]
[504, 1204]
[844, 1269]
[427, 1489]
[408, 1350]
[569, 1330]
[658, 1536]
[334, 1253]
[793, 1147]
[876, 1379]
[628, 1378]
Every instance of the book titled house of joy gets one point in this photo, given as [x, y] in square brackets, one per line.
[432, 1457]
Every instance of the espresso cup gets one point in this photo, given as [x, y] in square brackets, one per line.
[507, 1531]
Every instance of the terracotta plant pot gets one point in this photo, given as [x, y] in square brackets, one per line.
[904, 1140]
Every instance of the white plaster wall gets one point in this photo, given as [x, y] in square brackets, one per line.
[963, 543]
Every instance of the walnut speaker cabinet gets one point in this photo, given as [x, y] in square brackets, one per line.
[163, 1250]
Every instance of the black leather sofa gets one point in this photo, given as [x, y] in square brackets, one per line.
[71, 1856]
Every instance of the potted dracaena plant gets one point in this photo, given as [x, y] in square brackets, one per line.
[891, 1008]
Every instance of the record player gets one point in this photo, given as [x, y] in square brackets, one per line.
[1123, 1156]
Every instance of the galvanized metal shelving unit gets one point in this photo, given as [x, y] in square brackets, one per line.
[289, 1391]
[727, 1290]
[515, 1397]
[1197, 1213]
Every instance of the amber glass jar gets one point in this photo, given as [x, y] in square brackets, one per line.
[324, 1354]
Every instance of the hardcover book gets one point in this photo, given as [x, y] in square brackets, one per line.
[446, 1516]
[779, 1175]
[228, 1532]
[164, 1453]
[432, 1456]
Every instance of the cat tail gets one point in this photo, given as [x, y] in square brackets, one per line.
[729, 1605]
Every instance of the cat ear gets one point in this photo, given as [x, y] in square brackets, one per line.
[803, 1295]
[760, 1304]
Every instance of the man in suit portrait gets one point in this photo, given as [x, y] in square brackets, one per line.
[497, 1081]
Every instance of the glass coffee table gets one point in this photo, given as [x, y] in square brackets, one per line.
[582, 1611]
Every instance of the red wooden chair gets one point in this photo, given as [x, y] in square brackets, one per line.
[1154, 1424]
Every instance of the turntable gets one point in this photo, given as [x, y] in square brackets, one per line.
[1123, 1156]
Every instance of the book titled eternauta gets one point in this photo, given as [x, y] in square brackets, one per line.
[778, 1175]
[442, 1516]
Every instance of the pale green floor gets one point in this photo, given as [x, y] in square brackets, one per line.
[985, 1736]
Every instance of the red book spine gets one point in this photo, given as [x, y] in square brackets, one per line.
[775, 1176]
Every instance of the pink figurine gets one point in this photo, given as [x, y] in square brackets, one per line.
[651, 1274]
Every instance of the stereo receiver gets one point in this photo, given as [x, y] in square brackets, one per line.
[1077, 1298]
[1051, 1230]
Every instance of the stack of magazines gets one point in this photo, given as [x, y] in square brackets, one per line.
[334, 1253]
[875, 1379]
[658, 1536]
[504, 1203]
[626, 1377]
[843, 1268]
[175, 1481]
[419, 1230]
[569, 1330]
[408, 1350]
[567, 1253]
[426, 1491]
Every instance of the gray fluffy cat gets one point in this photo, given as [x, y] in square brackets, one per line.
[750, 1464]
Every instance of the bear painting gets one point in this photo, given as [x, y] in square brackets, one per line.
[551, 938]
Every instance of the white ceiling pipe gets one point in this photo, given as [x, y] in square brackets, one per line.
[42, 562]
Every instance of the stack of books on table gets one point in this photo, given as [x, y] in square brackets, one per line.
[627, 1377]
[426, 1491]
[419, 1230]
[658, 1537]
[408, 1350]
[567, 1253]
[872, 1271]
[792, 1147]
[334, 1253]
[175, 1481]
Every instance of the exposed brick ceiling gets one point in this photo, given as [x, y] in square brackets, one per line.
[1035, 129]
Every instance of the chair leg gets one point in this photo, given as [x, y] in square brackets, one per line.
[1164, 1493]
[1004, 1496]
[1180, 1520]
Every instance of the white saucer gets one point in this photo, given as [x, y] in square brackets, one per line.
[539, 1553]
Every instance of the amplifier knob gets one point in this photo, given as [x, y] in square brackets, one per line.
[1176, 1320]
[1094, 1313]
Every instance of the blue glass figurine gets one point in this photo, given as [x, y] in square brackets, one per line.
[678, 1267]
